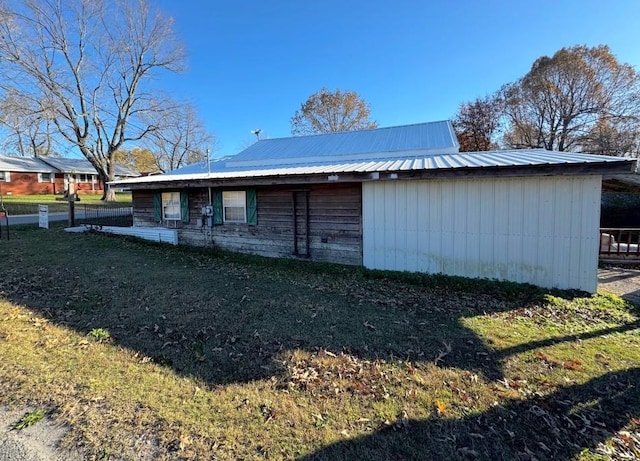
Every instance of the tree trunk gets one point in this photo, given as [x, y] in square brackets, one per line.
[109, 194]
[108, 174]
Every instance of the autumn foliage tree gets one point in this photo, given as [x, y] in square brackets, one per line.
[331, 112]
[581, 99]
[559, 102]
[477, 123]
[137, 159]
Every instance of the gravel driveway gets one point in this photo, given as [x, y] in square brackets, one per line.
[621, 281]
[36, 443]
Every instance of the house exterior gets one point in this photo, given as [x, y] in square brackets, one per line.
[399, 198]
[26, 176]
[51, 175]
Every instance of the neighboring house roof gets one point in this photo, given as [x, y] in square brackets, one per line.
[71, 165]
[24, 164]
[83, 166]
[125, 172]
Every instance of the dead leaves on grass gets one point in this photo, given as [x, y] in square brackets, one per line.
[568, 364]
[325, 374]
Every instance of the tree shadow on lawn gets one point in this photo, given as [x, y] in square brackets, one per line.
[556, 427]
[225, 320]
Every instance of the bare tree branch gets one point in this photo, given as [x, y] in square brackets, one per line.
[92, 63]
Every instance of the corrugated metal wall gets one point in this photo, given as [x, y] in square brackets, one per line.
[540, 230]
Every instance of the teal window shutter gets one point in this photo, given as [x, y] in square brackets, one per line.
[217, 207]
[157, 207]
[184, 207]
[252, 207]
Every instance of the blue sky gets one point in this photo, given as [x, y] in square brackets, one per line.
[252, 63]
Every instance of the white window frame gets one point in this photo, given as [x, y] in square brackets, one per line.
[7, 176]
[41, 179]
[234, 199]
[171, 206]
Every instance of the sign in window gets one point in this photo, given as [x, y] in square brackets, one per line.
[234, 206]
[171, 206]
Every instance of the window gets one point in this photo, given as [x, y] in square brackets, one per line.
[171, 206]
[4, 176]
[234, 204]
[235, 207]
[44, 177]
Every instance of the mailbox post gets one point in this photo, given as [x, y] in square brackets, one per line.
[71, 197]
[4, 216]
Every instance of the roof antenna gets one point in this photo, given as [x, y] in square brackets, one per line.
[257, 133]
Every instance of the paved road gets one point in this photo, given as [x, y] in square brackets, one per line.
[60, 216]
[33, 218]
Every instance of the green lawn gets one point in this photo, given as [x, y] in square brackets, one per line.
[28, 204]
[154, 352]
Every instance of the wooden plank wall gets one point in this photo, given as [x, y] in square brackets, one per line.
[335, 228]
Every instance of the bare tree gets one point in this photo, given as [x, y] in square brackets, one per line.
[90, 64]
[477, 123]
[331, 112]
[28, 128]
[559, 101]
[181, 139]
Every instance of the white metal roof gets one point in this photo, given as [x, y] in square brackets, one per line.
[24, 164]
[71, 165]
[82, 166]
[350, 145]
[413, 162]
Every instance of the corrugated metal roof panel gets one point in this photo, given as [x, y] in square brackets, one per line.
[506, 158]
[356, 145]
[24, 164]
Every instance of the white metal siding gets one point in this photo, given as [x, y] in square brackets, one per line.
[539, 230]
[155, 234]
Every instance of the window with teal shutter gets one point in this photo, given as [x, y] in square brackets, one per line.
[184, 207]
[217, 207]
[252, 207]
[157, 207]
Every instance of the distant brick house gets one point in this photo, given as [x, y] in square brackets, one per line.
[26, 176]
[30, 175]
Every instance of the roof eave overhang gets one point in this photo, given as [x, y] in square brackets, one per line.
[604, 168]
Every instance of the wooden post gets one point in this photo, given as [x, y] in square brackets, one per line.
[294, 208]
[71, 197]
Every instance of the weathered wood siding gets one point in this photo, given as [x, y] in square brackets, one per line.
[540, 230]
[334, 223]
